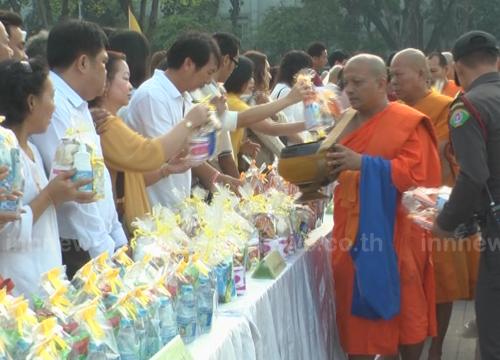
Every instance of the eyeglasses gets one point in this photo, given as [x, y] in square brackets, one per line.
[236, 63]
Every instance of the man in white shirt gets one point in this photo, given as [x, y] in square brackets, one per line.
[229, 46]
[76, 55]
[161, 102]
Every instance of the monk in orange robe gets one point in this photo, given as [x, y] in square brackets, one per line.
[403, 139]
[450, 74]
[439, 69]
[456, 262]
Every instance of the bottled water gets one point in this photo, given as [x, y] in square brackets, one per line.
[168, 322]
[140, 329]
[205, 305]
[187, 314]
[96, 352]
[127, 340]
[153, 340]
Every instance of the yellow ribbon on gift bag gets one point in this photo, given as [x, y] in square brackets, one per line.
[57, 299]
[89, 315]
[22, 317]
[90, 286]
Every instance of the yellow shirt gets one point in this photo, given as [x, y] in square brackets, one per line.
[127, 151]
[234, 103]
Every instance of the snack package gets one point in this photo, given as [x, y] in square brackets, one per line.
[225, 278]
[10, 157]
[321, 110]
[51, 341]
[93, 328]
[303, 221]
[253, 252]
[17, 332]
[121, 260]
[4, 355]
[203, 141]
[82, 139]
[422, 204]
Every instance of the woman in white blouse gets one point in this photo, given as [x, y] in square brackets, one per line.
[290, 65]
[29, 247]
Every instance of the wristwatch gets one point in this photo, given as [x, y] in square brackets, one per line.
[188, 124]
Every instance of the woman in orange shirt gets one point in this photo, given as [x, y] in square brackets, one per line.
[128, 154]
[236, 85]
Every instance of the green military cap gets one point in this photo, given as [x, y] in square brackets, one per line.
[474, 40]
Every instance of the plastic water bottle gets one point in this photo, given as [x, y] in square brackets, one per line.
[187, 314]
[96, 352]
[140, 329]
[168, 322]
[153, 340]
[205, 305]
[83, 167]
[127, 341]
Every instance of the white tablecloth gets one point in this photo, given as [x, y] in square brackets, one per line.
[292, 317]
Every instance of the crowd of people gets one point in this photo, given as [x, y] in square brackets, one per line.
[143, 107]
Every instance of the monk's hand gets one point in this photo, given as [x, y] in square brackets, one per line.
[341, 158]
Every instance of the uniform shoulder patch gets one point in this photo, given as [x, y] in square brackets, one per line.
[459, 116]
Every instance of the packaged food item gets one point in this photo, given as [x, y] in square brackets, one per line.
[10, 157]
[322, 109]
[203, 142]
[17, 331]
[75, 150]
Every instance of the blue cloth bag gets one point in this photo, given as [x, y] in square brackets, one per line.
[377, 287]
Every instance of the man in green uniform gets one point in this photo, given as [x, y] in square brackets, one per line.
[475, 135]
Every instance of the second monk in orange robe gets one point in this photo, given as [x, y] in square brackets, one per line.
[456, 262]
[405, 139]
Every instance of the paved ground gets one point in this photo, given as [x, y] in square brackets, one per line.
[456, 347]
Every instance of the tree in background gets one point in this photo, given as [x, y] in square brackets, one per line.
[202, 16]
[425, 24]
[287, 28]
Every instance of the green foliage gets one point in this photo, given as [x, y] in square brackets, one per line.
[287, 28]
[199, 17]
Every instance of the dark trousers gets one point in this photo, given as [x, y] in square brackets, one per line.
[488, 293]
[73, 256]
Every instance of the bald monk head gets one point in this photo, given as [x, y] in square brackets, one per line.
[451, 65]
[410, 75]
[365, 83]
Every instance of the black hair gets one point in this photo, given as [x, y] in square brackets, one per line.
[135, 46]
[240, 76]
[72, 38]
[18, 80]
[108, 30]
[111, 69]
[162, 65]
[480, 57]
[195, 45]
[291, 64]
[341, 83]
[259, 62]
[390, 57]
[10, 18]
[316, 49]
[228, 43]
[442, 59]
[337, 55]
[36, 46]
[157, 59]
